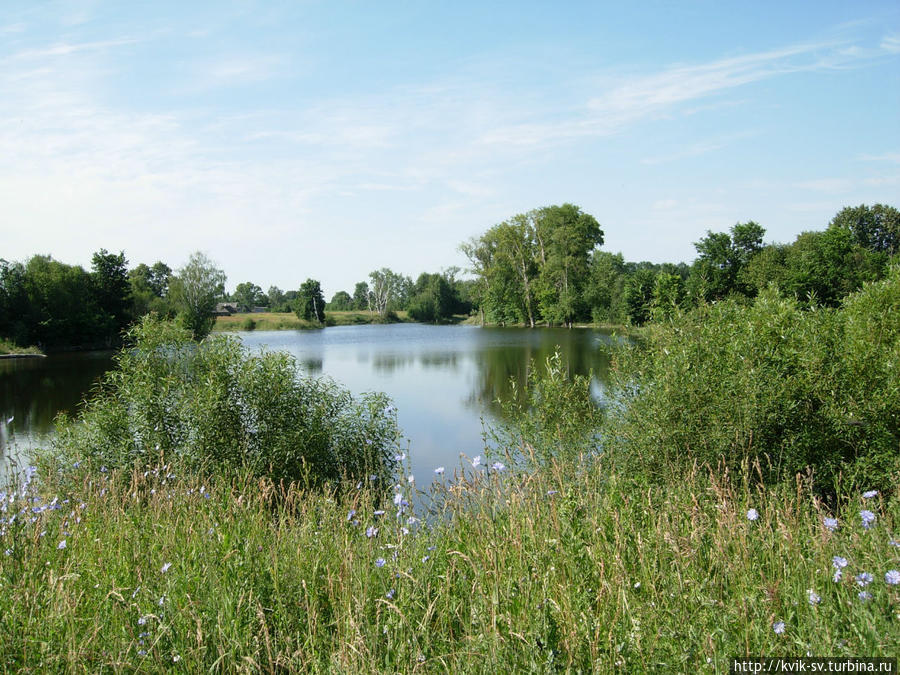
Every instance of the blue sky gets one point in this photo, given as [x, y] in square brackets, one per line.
[290, 140]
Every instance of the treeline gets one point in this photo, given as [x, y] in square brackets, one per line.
[544, 267]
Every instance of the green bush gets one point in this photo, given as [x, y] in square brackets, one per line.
[795, 390]
[215, 405]
[554, 418]
[248, 324]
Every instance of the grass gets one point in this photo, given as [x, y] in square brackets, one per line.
[290, 321]
[563, 568]
[7, 347]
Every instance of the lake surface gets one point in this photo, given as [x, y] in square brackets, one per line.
[443, 379]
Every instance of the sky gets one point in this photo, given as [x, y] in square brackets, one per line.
[295, 140]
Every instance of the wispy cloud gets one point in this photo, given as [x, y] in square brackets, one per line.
[891, 43]
[892, 157]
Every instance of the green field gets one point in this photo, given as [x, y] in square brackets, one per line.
[290, 321]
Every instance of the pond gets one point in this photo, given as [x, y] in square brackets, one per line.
[444, 380]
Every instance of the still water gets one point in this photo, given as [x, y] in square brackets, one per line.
[444, 380]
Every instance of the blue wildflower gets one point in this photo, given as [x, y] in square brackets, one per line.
[61, 544]
[778, 627]
[439, 471]
[864, 595]
[892, 577]
[476, 461]
[498, 466]
[390, 594]
[870, 494]
[371, 531]
[350, 514]
[863, 578]
[813, 597]
[165, 568]
[831, 524]
[379, 562]
[838, 562]
[752, 514]
[867, 518]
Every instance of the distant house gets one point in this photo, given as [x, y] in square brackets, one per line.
[225, 309]
[258, 310]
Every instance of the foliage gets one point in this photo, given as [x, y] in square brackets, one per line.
[310, 302]
[721, 258]
[195, 291]
[554, 418]
[341, 302]
[434, 299]
[794, 390]
[214, 406]
[387, 292]
[248, 295]
[111, 288]
[875, 228]
[535, 265]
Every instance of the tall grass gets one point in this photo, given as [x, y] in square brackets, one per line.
[537, 571]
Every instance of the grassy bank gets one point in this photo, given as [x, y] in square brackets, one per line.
[559, 569]
[285, 321]
[10, 348]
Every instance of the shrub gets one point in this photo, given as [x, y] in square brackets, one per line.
[215, 405]
[793, 389]
[554, 417]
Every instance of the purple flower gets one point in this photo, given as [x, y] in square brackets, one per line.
[838, 562]
[894, 542]
[61, 544]
[831, 524]
[378, 512]
[838, 575]
[439, 471]
[498, 466]
[371, 531]
[165, 568]
[476, 461]
[892, 577]
[379, 562]
[867, 518]
[778, 627]
[813, 597]
[863, 578]
[864, 595]
[752, 514]
[142, 620]
[390, 594]
[398, 499]
[870, 494]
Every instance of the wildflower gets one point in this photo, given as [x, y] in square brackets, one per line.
[550, 493]
[431, 548]
[864, 595]
[870, 494]
[838, 575]
[61, 545]
[838, 562]
[398, 498]
[439, 471]
[390, 594]
[894, 542]
[162, 601]
[892, 577]
[350, 514]
[165, 568]
[142, 620]
[867, 518]
[176, 658]
[813, 597]
[400, 457]
[476, 461]
[778, 627]
[752, 514]
[426, 558]
[379, 512]
[410, 479]
[497, 466]
[136, 590]
[371, 531]
[142, 652]
[863, 578]
[379, 562]
[831, 524]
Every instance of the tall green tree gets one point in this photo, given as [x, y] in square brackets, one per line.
[876, 228]
[196, 289]
[716, 272]
[341, 302]
[311, 302]
[109, 272]
[387, 290]
[565, 238]
[604, 292]
[361, 296]
[248, 295]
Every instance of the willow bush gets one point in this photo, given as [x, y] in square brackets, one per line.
[217, 405]
[797, 390]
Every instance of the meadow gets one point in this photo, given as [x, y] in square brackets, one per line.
[290, 321]
[670, 530]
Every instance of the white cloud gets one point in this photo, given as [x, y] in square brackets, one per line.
[891, 43]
